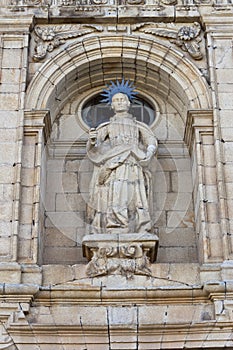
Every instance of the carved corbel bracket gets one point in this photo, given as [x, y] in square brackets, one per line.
[186, 37]
[121, 254]
[48, 38]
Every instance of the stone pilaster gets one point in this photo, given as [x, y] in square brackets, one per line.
[200, 139]
[14, 41]
[36, 130]
[219, 42]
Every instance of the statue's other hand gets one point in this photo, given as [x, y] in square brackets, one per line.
[149, 154]
[145, 162]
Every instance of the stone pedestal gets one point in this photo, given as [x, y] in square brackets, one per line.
[124, 254]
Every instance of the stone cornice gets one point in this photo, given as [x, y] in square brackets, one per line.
[16, 25]
[38, 119]
[15, 293]
[186, 334]
[93, 295]
[201, 119]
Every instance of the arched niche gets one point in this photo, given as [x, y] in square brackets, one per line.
[93, 62]
[82, 69]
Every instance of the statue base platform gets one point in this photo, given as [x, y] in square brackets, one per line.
[125, 254]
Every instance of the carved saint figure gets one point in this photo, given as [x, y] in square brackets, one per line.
[120, 150]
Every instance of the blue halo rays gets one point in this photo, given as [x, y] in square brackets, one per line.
[126, 88]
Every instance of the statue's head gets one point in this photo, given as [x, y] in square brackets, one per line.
[125, 87]
[120, 102]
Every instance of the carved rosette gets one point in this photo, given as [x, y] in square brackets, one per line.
[120, 254]
[186, 37]
[48, 38]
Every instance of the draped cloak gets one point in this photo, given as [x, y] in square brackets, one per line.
[120, 187]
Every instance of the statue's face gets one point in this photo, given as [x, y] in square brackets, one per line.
[120, 103]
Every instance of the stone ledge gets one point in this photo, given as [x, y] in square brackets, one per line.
[173, 335]
[219, 288]
[18, 289]
[84, 294]
[17, 293]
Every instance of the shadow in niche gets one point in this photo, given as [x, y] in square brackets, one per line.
[95, 112]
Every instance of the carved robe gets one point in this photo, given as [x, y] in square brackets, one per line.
[120, 186]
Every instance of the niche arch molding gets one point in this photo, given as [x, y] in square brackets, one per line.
[93, 62]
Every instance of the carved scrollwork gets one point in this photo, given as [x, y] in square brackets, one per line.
[133, 250]
[49, 37]
[169, 2]
[120, 254]
[99, 2]
[186, 37]
[67, 3]
[99, 263]
[127, 260]
[135, 2]
[33, 2]
[141, 261]
[26, 2]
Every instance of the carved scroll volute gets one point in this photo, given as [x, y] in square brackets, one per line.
[186, 37]
[47, 38]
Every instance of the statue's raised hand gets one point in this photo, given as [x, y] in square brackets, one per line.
[93, 136]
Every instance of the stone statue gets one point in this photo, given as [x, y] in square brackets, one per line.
[122, 240]
[120, 150]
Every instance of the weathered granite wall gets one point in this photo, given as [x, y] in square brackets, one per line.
[53, 55]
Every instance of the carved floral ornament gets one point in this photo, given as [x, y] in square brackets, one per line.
[48, 38]
[67, 3]
[27, 2]
[120, 254]
[73, 3]
[186, 37]
[128, 261]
